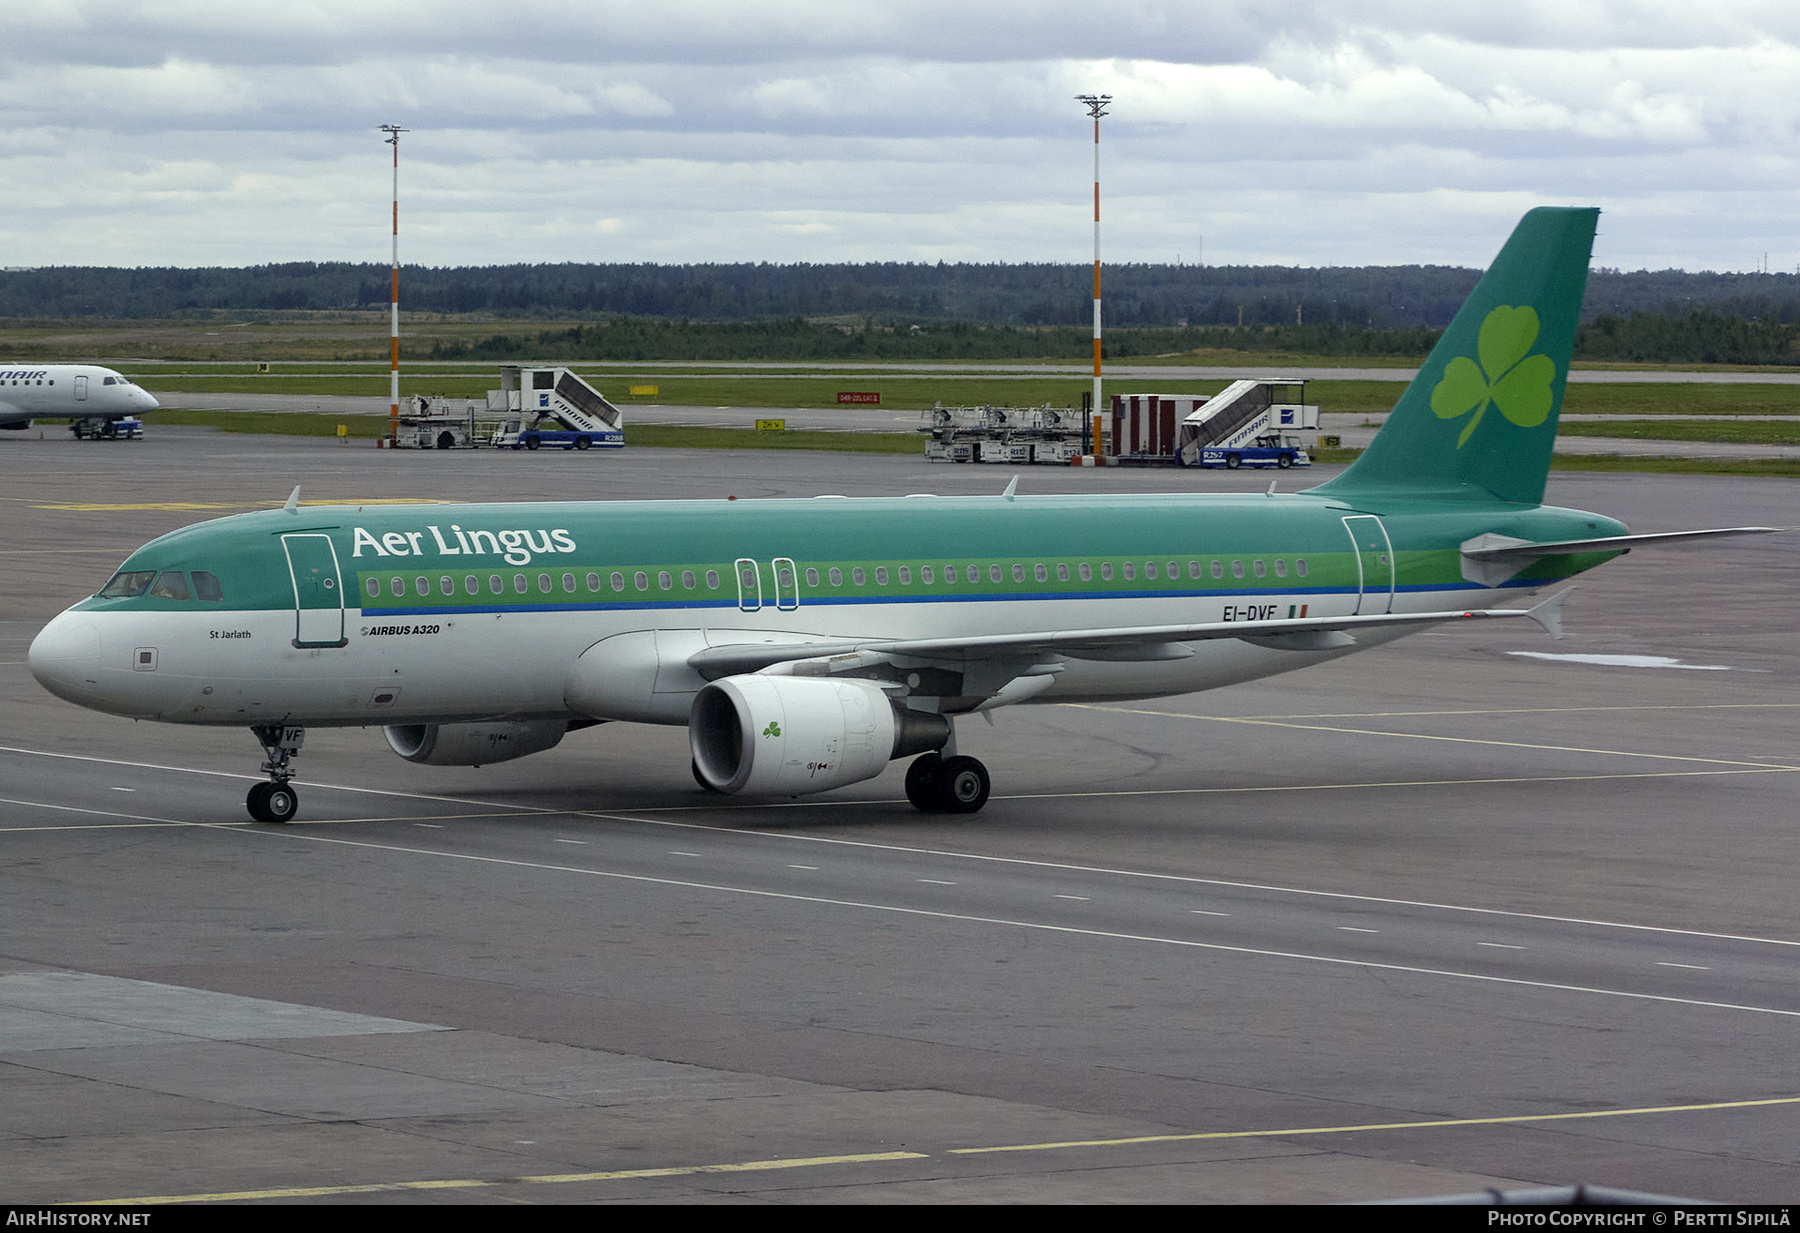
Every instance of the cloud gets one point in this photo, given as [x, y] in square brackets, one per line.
[198, 132]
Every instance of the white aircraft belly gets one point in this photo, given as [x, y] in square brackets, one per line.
[235, 667]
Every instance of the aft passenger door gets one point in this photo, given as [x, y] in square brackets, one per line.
[318, 590]
[1374, 564]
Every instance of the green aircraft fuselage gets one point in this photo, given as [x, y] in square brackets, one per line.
[806, 642]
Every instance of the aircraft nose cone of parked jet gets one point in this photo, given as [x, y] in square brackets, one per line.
[144, 399]
[65, 658]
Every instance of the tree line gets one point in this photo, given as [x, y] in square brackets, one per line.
[892, 294]
[1679, 335]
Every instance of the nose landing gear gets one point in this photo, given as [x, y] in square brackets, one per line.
[276, 801]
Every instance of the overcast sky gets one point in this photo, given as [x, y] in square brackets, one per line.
[197, 132]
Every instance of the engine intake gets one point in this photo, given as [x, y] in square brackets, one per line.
[787, 736]
[473, 744]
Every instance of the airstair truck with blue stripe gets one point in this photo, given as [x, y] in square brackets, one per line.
[552, 407]
[1249, 424]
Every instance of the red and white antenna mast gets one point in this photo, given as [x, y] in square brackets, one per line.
[393, 139]
[1096, 105]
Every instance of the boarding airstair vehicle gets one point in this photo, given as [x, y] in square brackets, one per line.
[552, 406]
[1252, 423]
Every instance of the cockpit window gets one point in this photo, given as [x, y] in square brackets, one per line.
[110, 381]
[206, 587]
[128, 584]
[170, 584]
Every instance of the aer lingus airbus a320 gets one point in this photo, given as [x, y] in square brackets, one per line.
[806, 643]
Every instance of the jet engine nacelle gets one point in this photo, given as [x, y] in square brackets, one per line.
[473, 744]
[789, 735]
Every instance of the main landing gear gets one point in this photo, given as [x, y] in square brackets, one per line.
[276, 801]
[936, 784]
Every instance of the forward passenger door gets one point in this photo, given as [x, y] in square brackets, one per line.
[318, 590]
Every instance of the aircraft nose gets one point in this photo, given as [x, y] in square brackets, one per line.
[148, 399]
[65, 658]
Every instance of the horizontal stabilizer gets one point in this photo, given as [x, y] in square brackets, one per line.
[1492, 559]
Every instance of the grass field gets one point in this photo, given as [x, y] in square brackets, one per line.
[918, 391]
[364, 429]
[1739, 432]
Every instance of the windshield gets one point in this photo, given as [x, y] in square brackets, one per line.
[128, 584]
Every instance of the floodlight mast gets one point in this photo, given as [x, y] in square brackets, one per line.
[393, 139]
[1096, 105]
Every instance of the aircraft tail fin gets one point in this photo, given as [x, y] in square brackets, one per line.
[1479, 420]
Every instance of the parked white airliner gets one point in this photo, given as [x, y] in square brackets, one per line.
[93, 397]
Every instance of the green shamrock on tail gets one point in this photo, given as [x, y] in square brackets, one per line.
[774, 729]
[1516, 383]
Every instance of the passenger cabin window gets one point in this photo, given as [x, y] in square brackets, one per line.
[207, 588]
[128, 584]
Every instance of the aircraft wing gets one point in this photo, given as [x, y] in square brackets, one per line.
[1138, 643]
